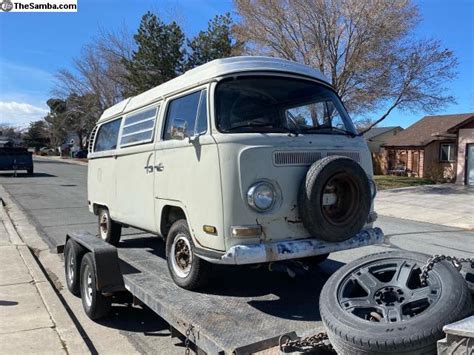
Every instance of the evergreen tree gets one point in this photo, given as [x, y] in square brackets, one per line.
[159, 56]
[214, 43]
[37, 135]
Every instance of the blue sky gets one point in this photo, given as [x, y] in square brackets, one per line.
[33, 46]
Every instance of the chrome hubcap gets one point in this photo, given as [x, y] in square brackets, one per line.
[70, 267]
[87, 286]
[181, 256]
[103, 224]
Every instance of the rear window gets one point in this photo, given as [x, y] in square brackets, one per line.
[107, 136]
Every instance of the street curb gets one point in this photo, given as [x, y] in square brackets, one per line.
[60, 160]
[67, 331]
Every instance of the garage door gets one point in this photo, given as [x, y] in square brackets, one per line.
[470, 164]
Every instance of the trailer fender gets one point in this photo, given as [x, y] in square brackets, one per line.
[106, 262]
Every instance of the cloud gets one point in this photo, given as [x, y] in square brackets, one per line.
[20, 114]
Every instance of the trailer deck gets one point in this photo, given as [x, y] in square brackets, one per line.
[244, 310]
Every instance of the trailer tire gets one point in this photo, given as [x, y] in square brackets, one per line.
[72, 266]
[95, 304]
[29, 171]
[186, 269]
[404, 325]
[344, 180]
[109, 230]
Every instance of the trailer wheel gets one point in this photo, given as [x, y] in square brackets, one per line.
[109, 230]
[29, 171]
[377, 304]
[72, 266]
[187, 270]
[94, 303]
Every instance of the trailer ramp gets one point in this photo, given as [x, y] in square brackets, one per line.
[244, 309]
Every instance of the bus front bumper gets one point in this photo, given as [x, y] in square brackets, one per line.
[294, 249]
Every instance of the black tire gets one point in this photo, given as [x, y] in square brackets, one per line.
[197, 271]
[29, 171]
[109, 230]
[348, 213]
[413, 333]
[94, 303]
[72, 266]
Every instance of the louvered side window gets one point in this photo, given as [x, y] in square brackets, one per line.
[91, 139]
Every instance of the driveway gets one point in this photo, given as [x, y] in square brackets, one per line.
[448, 204]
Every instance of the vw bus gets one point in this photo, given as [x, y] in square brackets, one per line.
[242, 160]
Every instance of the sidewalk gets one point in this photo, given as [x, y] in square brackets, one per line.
[33, 319]
[62, 160]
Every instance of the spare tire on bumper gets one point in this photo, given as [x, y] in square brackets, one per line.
[334, 199]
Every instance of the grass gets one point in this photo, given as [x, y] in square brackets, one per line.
[385, 182]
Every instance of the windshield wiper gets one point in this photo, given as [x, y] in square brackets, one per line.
[330, 129]
[249, 125]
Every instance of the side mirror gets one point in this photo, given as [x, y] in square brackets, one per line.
[178, 129]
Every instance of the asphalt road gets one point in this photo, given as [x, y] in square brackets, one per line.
[55, 200]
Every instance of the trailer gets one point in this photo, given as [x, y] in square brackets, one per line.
[16, 158]
[246, 311]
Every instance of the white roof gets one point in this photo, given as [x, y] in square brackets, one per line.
[207, 72]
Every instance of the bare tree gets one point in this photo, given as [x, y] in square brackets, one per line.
[99, 70]
[365, 47]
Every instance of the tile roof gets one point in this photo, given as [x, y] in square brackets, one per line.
[427, 130]
[375, 131]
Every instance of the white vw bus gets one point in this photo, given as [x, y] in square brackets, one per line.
[242, 160]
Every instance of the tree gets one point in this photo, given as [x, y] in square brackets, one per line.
[10, 131]
[37, 135]
[159, 56]
[56, 127]
[214, 43]
[80, 115]
[98, 71]
[365, 48]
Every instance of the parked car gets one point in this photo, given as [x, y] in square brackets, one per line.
[13, 158]
[243, 160]
[81, 154]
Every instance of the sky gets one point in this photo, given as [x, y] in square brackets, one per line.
[34, 46]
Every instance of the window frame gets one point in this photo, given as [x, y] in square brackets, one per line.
[169, 100]
[96, 136]
[452, 148]
[157, 106]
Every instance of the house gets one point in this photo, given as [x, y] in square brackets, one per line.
[377, 136]
[439, 147]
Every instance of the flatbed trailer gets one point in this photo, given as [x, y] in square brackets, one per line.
[245, 310]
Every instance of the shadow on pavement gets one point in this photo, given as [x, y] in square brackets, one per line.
[25, 175]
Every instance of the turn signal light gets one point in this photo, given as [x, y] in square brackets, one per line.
[209, 229]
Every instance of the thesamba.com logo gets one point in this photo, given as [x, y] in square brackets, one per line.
[6, 5]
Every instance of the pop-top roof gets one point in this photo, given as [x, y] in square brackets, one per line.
[207, 72]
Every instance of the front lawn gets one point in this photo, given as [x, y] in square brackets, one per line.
[385, 182]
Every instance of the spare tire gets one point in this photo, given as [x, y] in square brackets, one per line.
[378, 305]
[334, 199]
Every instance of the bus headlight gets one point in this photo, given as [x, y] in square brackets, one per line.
[261, 196]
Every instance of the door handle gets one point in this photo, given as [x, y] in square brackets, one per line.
[160, 167]
[149, 169]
